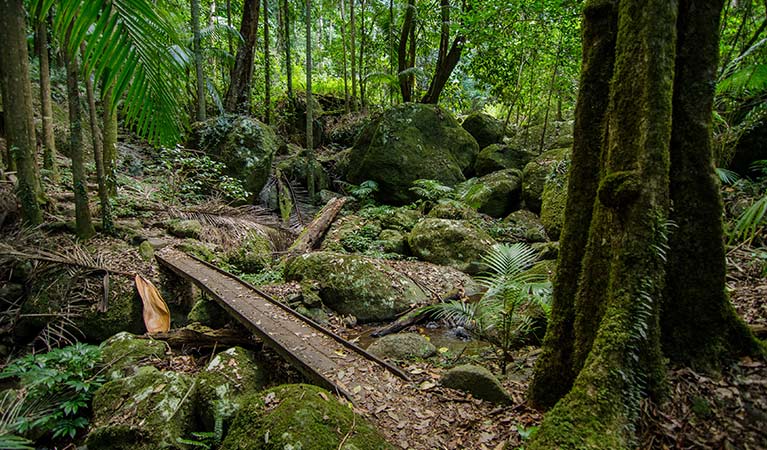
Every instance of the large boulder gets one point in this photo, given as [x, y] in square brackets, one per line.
[535, 174]
[502, 156]
[496, 194]
[147, 411]
[410, 142]
[254, 252]
[402, 346]
[557, 135]
[554, 200]
[124, 353]
[245, 146]
[524, 225]
[485, 128]
[478, 381]
[291, 118]
[453, 243]
[300, 416]
[453, 210]
[364, 287]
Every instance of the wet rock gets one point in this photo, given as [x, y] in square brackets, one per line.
[484, 128]
[476, 380]
[402, 346]
[452, 243]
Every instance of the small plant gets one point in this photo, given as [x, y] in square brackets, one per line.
[200, 439]
[61, 382]
[364, 192]
[753, 219]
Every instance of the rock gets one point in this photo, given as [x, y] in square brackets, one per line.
[402, 346]
[547, 250]
[147, 411]
[535, 174]
[316, 314]
[496, 194]
[245, 146]
[409, 142]
[351, 234]
[209, 313]
[476, 380]
[558, 135]
[547, 267]
[348, 128]
[146, 250]
[300, 416]
[350, 284]
[255, 252]
[400, 219]
[157, 243]
[453, 210]
[502, 156]
[525, 226]
[124, 353]
[291, 115]
[184, 228]
[554, 201]
[452, 243]
[485, 128]
[392, 241]
[296, 169]
[220, 386]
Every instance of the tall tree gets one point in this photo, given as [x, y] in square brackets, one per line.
[267, 68]
[405, 59]
[344, 45]
[309, 102]
[447, 59]
[109, 132]
[288, 60]
[642, 140]
[353, 52]
[17, 98]
[200, 75]
[238, 95]
[49, 142]
[361, 65]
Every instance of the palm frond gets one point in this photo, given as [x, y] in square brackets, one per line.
[507, 263]
[726, 176]
[752, 219]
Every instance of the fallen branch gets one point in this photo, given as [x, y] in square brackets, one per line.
[185, 337]
[314, 232]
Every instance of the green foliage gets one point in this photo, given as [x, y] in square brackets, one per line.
[364, 192]
[504, 315]
[201, 439]
[726, 176]
[190, 176]
[64, 381]
[753, 219]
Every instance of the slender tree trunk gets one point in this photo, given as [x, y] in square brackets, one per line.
[360, 66]
[98, 155]
[446, 60]
[288, 61]
[49, 142]
[391, 49]
[200, 75]
[345, 56]
[17, 102]
[353, 38]
[83, 224]
[403, 62]
[238, 96]
[550, 94]
[229, 24]
[109, 119]
[267, 68]
[309, 102]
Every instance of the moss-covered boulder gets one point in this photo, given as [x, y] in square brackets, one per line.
[484, 128]
[476, 380]
[453, 210]
[502, 156]
[409, 142]
[124, 353]
[496, 194]
[557, 135]
[553, 202]
[346, 130]
[220, 386]
[291, 119]
[147, 411]
[298, 167]
[535, 174]
[254, 253]
[524, 225]
[392, 241]
[299, 416]
[351, 233]
[453, 243]
[184, 228]
[364, 287]
[209, 313]
[245, 146]
[402, 346]
[401, 219]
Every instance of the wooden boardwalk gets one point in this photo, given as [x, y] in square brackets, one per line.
[325, 358]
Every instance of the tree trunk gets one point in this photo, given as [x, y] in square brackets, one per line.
[604, 339]
[17, 102]
[49, 142]
[353, 38]
[446, 60]
[309, 103]
[238, 96]
[109, 125]
[83, 224]
[267, 68]
[200, 75]
[361, 64]
[406, 80]
[343, 42]
[288, 61]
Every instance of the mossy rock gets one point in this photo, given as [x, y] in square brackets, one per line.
[254, 254]
[245, 146]
[453, 210]
[230, 375]
[524, 225]
[484, 128]
[146, 250]
[558, 135]
[496, 194]
[184, 228]
[502, 156]
[402, 219]
[364, 287]
[348, 128]
[299, 416]
[453, 243]
[147, 411]
[297, 169]
[204, 250]
[402, 346]
[547, 250]
[123, 353]
[291, 114]
[547, 267]
[392, 241]
[554, 201]
[209, 313]
[535, 174]
[351, 234]
[409, 142]
[476, 380]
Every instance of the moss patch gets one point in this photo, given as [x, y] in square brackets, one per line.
[452, 243]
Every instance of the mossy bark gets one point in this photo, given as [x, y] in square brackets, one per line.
[17, 101]
[109, 130]
[49, 142]
[695, 300]
[238, 96]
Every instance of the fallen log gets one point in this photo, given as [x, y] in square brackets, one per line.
[414, 316]
[314, 232]
[225, 337]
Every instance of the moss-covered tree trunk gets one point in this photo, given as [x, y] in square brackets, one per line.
[602, 352]
[17, 103]
[109, 130]
[238, 95]
[49, 143]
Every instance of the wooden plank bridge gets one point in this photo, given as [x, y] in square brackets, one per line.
[322, 356]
